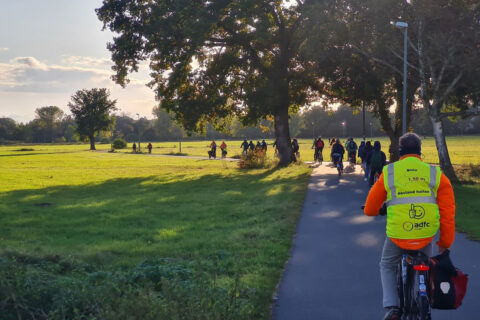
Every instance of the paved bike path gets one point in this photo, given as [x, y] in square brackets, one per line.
[333, 272]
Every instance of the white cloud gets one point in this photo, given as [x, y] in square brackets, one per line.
[29, 62]
[85, 61]
[27, 74]
[4, 49]
[27, 83]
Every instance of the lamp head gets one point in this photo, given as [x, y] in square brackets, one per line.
[400, 24]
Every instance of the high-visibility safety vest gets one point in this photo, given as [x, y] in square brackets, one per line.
[412, 209]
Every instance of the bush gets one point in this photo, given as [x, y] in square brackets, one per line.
[475, 170]
[105, 140]
[253, 159]
[119, 144]
[155, 289]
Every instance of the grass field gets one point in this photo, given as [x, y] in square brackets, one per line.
[227, 230]
[93, 234]
[462, 149]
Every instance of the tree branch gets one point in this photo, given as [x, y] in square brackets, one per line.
[464, 114]
[450, 88]
[385, 63]
[401, 58]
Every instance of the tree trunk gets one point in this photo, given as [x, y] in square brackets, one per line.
[282, 135]
[92, 142]
[393, 149]
[386, 123]
[443, 156]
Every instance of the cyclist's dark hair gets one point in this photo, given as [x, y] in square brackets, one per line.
[410, 143]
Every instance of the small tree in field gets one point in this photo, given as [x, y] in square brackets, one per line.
[91, 109]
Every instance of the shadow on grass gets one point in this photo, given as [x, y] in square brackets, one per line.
[23, 153]
[129, 219]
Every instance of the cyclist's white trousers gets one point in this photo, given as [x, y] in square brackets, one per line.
[391, 255]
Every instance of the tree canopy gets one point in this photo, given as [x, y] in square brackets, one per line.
[47, 119]
[91, 110]
[212, 59]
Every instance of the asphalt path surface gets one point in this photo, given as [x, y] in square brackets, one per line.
[333, 272]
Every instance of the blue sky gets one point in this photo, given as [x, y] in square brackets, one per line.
[51, 48]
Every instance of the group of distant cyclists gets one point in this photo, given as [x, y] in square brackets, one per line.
[372, 157]
[251, 147]
[212, 153]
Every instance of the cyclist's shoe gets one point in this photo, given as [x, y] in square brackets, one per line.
[393, 314]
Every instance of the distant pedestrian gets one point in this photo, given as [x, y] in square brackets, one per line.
[213, 150]
[149, 148]
[360, 151]
[134, 147]
[332, 141]
[223, 147]
[264, 146]
[275, 148]
[251, 146]
[366, 152]
[320, 146]
[295, 147]
[244, 145]
[351, 147]
[376, 160]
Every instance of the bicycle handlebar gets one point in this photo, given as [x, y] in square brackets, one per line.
[383, 210]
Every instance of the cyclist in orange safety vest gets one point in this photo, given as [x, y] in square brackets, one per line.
[420, 201]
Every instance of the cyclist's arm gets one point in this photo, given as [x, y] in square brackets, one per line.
[446, 205]
[376, 198]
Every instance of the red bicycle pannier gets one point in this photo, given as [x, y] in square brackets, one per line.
[448, 285]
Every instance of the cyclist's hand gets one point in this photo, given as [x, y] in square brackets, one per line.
[383, 210]
[441, 249]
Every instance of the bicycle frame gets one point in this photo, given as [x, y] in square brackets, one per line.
[413, 282]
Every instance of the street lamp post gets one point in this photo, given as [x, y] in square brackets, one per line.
[404, 25]
[138, 119]
[371, 131]
[343, 126]
[363, 120]
[313, 130]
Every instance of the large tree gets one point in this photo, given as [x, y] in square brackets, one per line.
[48, 119]
[443, 68]
[445, 41]
[8, 128]
[212, 59]
[359, 61]
[91, 109]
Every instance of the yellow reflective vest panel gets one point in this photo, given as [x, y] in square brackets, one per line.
[412, 209]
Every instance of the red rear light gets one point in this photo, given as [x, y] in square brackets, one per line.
[421, 267]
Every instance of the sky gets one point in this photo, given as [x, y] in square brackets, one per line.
[49, 49]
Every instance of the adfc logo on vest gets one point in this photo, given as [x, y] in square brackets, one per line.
[416, 212]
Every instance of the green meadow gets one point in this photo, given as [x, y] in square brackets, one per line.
[91, 235]
[211, 231]
[462, 149]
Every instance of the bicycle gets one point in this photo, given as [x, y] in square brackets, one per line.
[413, 283]
[352, 159]
[337, 162]
[320, 156]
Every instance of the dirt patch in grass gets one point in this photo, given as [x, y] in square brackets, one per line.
[468, 173]
[43, 204]
[25, 149]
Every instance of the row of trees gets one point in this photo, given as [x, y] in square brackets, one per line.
[52, 125]
[259, 59]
